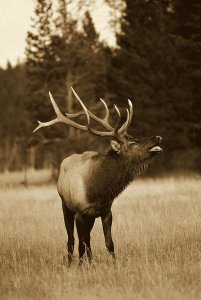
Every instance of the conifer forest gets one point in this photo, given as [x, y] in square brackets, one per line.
[155, 62]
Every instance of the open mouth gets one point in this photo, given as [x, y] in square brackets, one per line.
[155, 148]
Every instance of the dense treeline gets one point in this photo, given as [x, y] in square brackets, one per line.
[156, 63]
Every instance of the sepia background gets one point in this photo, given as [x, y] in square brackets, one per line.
[148, 51]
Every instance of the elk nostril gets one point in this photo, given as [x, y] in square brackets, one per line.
[159, 138]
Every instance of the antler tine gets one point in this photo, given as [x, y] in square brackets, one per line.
[60, 118]
[93, 131]
[124, 127]
[57, 112]
[56, 109]
[107, 110]
[130, 110]
[104, 122]
[82, 104]
[118, 119]
[75, 115]
[44, 124]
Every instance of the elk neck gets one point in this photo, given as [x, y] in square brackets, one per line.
[110, 174]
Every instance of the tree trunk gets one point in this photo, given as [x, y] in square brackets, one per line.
[6, 155]
[69, 100]
[32, 158]
[10, 154]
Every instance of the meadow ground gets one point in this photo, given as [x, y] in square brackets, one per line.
[156, 230]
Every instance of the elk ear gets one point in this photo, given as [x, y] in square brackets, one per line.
[115, 146]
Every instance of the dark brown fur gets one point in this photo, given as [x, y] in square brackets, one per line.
[109, 174]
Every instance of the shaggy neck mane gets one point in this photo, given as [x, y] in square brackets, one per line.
[110, 175]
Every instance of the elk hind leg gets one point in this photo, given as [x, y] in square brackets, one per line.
[69, 218]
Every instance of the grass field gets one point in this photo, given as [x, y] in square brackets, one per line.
[156, 230]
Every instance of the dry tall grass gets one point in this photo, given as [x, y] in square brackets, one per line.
[156, 230]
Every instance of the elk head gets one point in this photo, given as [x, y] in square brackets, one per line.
[121, 143]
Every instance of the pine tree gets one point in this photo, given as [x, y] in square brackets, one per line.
[147, 68]
[39, 58]
[81, 58]
[59, 57]
[14, 122]
[138, 60]
[187, 26]
[94, 60]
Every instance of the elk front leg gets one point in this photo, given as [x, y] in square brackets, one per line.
[84, 225]
[107, 226]
[69, 217]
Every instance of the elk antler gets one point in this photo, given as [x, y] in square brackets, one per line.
[104, 122]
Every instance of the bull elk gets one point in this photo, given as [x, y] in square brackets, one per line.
[89, 182]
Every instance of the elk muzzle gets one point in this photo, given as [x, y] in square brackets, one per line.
[155, 148]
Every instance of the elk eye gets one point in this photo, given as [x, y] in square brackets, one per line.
[132, 144]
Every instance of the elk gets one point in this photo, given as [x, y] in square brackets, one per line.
[89, 182]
